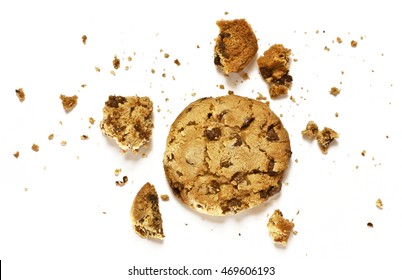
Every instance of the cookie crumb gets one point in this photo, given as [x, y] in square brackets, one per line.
[325, 137]
[35, 147]
[123, 182]
[193, 94]
[91, 120]
[353, 44]
[326, 49]
[84, 137]
[97, 69]
[370, 225]
[378, 203]
[339, 40]
[69, 102]
[116, 62]
[245, 77]
[335, 91]
[51, 136]
[164, 197]
[363, 153]
[336, 114]
[177, 62]
[63, 143]
[84, 85]
[221, 86]
[20, 94]
[230, 92]
[84, 39]
[166, 55]
[16, 154]
[311, 130]
[260, 97]
[279, 228]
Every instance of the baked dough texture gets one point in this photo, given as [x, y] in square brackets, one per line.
[145, 215]
[128, 120]
[226, 154]
[235, 45]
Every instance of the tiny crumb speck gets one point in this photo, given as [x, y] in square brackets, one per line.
[35, 147]
[177, 62]
[16, 154]
[20, 94]
[363, 153]
[379, 204]
[353, 44]
[335, 91]
[116, 62]
[84, 137]
[84, 39]
[165, 197]
[370, 225]
[339, 40]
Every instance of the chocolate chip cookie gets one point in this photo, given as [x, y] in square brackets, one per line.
[226, 154]
[128, 120]
[145, 215]
[235, 45]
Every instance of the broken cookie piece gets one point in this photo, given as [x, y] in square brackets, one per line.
[145, 215]
[279, 228]
[311, 130]
[235, 45]
[20, 94]
[274, 68]
[128, 120]
[325, 137]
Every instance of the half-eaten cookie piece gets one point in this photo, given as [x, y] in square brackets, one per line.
[145, 215]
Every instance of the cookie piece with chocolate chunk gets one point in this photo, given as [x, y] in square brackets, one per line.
[311, 130]
[235, 45]
[128, 120]
[145, 214]
[226, 154]
[325, 137]
[274, 68]
[279, 228]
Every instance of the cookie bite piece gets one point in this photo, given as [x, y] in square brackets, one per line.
[325, 137]
[274, 68]
[235, 45]
[145, 215]
[279, 228]
[128, 120]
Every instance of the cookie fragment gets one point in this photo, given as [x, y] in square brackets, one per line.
[274, 68]
[325, 137]
[311, 130]
[20, 94]
[128, 120]
[235, 45]
[68, 102]
[379, 204]
[335, 91]
[145, 215]
[279, 228]
[208, 151]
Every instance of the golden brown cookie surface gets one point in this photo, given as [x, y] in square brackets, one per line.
[226, 154]
[145, 215]
[128, 120]
[235, 45]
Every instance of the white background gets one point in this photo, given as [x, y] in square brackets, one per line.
[63, 217]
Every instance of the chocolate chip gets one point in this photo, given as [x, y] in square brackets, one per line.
[143, 134]
[239, 141]
[271, 166]
[114, 101]
[152, 198]
[285, 79]
[221, 114]
[226, 164]
[213, 134]
[217, 60]
[247, 121]
[214, 187]
[263, 193]
[179, 173]
[170, 157]
[266, 72]
[209, 115]
[271, 134]
[238, 177]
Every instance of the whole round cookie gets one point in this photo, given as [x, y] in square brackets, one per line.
[226, 154]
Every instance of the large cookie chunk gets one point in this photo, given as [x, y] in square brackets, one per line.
[128, 120]
[235, 45]
[226, 154]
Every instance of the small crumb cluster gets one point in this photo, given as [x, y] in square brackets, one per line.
[69, 102]
[279, 228]
[324, 137]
